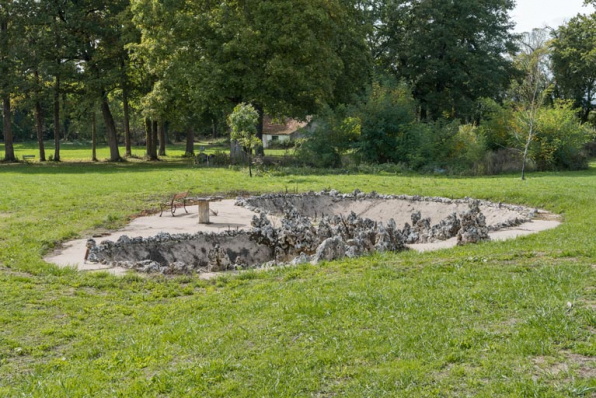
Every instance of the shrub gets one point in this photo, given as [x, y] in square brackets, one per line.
[387, 115]
[495, 124]
[560, 139]
[332, 135]
[558, 143]
[286, 144]
[504, 160]
[468, 147]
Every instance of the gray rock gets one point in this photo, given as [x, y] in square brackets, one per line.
[218, 260]
[123, 240]
[330, 249]
[473, 226]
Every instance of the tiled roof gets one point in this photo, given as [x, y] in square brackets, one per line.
[278, 127]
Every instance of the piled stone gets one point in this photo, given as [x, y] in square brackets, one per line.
[423, 232]
[218, 260]
[262, 231]
[473, 226]
[446, 229]
[297, 240]
[296, 235]
[335, 237]
[255, 203]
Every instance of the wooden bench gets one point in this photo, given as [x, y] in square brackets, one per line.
[179, 198]
[25, 157]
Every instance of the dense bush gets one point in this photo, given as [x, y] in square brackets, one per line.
[285, 144]
[387, 115]
[383, 128]
[331, 135]
[560, 139]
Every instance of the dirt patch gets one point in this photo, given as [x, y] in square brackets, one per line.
[546, 216]
[9, 271]
[572, 364]
[143, 213]
[584, 366]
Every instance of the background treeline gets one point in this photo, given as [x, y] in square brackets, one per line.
[429, 85]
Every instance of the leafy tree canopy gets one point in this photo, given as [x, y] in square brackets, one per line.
[574, 61]
[451, 52]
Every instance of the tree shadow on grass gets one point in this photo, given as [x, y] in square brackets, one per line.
[67, 167]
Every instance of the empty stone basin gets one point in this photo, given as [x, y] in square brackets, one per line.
[382, 208]
[314, 227]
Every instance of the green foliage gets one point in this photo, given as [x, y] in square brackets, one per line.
[387, 113]
[243, 125]
[287, 57]
[330, 136]
[450, 52]
[574, 62]
[495, 123]
[560, 138]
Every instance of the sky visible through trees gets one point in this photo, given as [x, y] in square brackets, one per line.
[530, 14]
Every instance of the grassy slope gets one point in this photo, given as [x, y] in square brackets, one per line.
[484, 320]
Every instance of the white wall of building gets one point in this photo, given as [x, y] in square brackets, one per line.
[268, 138]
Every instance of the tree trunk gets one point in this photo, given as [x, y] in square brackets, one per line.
[148, 138]
[151, 132]
[162, 138]
[126, 122]
[39, 128]
[190, 142]
[250, 164]
[66, 122]
[259, 150]
[526, 149]
[93, 138]
[39, 121]
[110, 129]
[57, 120]
[154, 134]
[8, 144]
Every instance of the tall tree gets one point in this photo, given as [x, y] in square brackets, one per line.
[283, 57]
[451, 52]
[531, 91]
[162, 138]
[55, 49]
[93, 137]
[101, 54]
[7, 68]
[574, 62]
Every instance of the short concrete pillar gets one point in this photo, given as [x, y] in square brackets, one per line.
[204, 212]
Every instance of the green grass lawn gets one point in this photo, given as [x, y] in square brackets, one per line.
[76, 151]
[490, 320]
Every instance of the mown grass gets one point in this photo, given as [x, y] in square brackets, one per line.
[81, 151]
[485, 320]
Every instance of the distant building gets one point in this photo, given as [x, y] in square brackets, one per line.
[278, 131]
